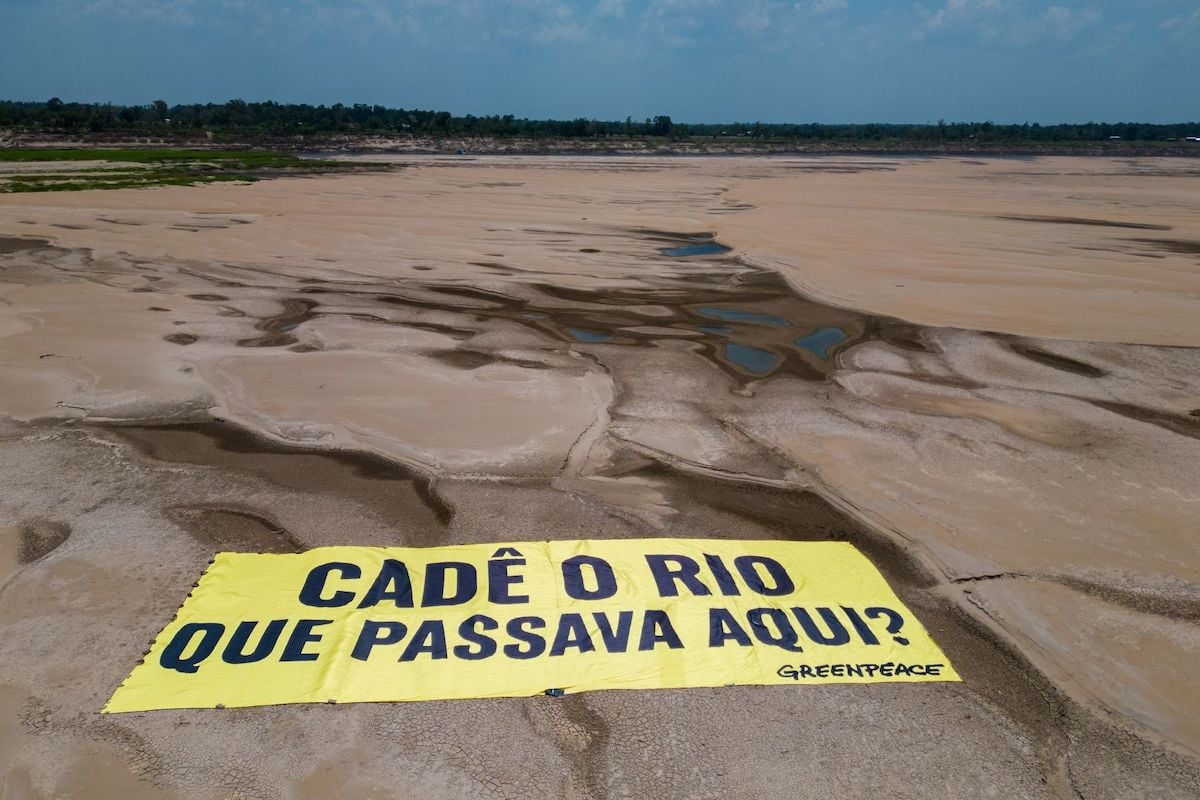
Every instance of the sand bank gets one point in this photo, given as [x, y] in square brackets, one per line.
[982, 373]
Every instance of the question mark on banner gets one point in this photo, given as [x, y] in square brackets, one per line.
[895, 621]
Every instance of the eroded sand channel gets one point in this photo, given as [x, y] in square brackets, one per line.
[984, 374]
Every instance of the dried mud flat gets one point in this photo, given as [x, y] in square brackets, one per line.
[985, 374]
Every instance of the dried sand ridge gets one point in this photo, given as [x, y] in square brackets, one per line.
[982, 373]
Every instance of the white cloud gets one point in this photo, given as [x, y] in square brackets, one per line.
[957, 11]
[822, 6]
[610, 8]
[1185, 22]
[674, 23]
[1013, 21]
[1065, 22]
[560, 32]
[755, 16]
[177, 12]
[538, 21]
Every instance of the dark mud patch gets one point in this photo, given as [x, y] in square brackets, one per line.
[1103, 223]
[113, 221]
[668, 237]
[277, 328]
[474, 359]
[19, 244]
[454, 332]
[462, 359]
[1057, 361]
[1182, 424]
[744, 319]
[40, 537]
[1185, 247]
[765, 329]
[181, 338]
[404, 495]
[157, 308]
[212, 298]
[235, 530]
[675, 244]
[1177, 605]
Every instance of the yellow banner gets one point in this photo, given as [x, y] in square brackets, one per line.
[360, 624]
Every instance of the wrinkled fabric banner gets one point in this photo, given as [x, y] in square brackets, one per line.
[362, 624]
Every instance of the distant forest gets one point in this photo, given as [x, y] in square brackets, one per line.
[242, 118]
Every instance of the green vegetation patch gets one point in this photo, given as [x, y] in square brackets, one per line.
[159, 167]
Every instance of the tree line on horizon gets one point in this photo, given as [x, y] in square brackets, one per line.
[293, 119]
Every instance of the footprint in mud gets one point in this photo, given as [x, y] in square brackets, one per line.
[234, 530]
[181, 338]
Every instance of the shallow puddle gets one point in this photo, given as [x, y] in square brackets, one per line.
[760, 317]
[746, 320]
[701, 249]
[589, 336]
[742, 315]
[752, 359]
[819, 341]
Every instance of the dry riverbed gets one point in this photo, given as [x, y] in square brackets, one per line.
[984, 373]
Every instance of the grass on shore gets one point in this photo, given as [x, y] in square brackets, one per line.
[131, 168]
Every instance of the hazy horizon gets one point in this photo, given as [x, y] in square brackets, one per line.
[714, 61]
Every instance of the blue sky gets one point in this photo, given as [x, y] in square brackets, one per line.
[696, 60]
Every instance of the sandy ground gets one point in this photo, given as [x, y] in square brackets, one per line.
[985, 374]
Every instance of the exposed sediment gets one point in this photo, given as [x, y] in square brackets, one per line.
[980, 400]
